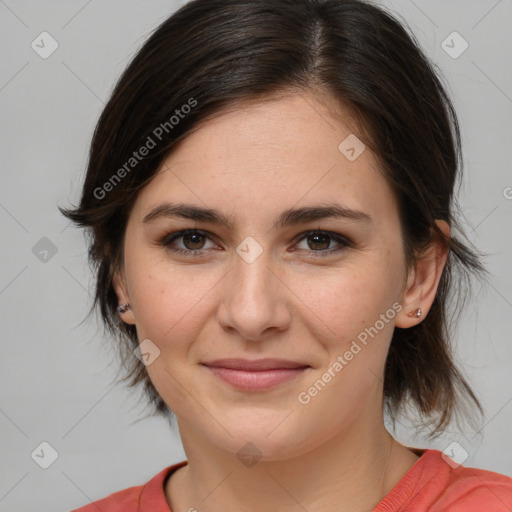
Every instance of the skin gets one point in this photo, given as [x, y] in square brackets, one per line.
[252, 163]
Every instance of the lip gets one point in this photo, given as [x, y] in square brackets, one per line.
[256, 374]
[255, 365]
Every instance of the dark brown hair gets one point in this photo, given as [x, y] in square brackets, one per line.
[214, 54]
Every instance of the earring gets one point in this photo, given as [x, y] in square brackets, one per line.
[123, 308]
[416, 313]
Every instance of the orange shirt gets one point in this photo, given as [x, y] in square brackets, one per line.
[431, 485]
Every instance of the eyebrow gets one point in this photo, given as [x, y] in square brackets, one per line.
[289, 217]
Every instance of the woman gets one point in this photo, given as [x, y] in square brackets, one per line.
[270, 199]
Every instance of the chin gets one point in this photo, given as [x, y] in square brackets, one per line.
[262, 448]
[271, 437]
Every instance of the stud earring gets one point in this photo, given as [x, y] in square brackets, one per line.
[123, 308]
[416, 313]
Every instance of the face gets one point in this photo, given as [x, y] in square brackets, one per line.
[299, 292]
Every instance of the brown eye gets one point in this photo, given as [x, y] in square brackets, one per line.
[321, 243]
[188, 242]
[193, 241]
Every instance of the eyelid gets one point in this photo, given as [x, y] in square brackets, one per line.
[173, 235]
[312, 232]
[343, 241]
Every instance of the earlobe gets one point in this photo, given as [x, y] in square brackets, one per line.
[417, 313]
[411, 299]
[124, 308]
[423, 280]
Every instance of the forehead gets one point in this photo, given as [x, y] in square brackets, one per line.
[292, 150]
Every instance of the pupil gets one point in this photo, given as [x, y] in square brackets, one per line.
[316, 237]
[195, 239]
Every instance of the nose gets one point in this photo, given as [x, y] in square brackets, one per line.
[254, 300]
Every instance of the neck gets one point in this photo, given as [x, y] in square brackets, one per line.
[352, 471]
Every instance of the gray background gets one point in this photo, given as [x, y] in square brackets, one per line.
[57, 375]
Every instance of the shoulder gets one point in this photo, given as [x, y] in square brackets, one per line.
[448, 486]
[470, 489]
[149, 496]
[437, 484]
[126, 500]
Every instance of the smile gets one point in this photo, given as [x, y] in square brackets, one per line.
[258, 375]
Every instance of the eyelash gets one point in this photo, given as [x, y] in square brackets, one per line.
[171, 236]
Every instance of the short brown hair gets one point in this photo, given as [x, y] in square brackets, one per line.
[220, 52]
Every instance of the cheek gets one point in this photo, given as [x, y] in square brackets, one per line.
[346, 301]
[171, 309]
[167, 316]
[167, 298]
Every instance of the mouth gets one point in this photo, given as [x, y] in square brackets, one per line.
[255, 375]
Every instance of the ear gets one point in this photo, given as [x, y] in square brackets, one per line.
[123, 297]
[423, 279]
